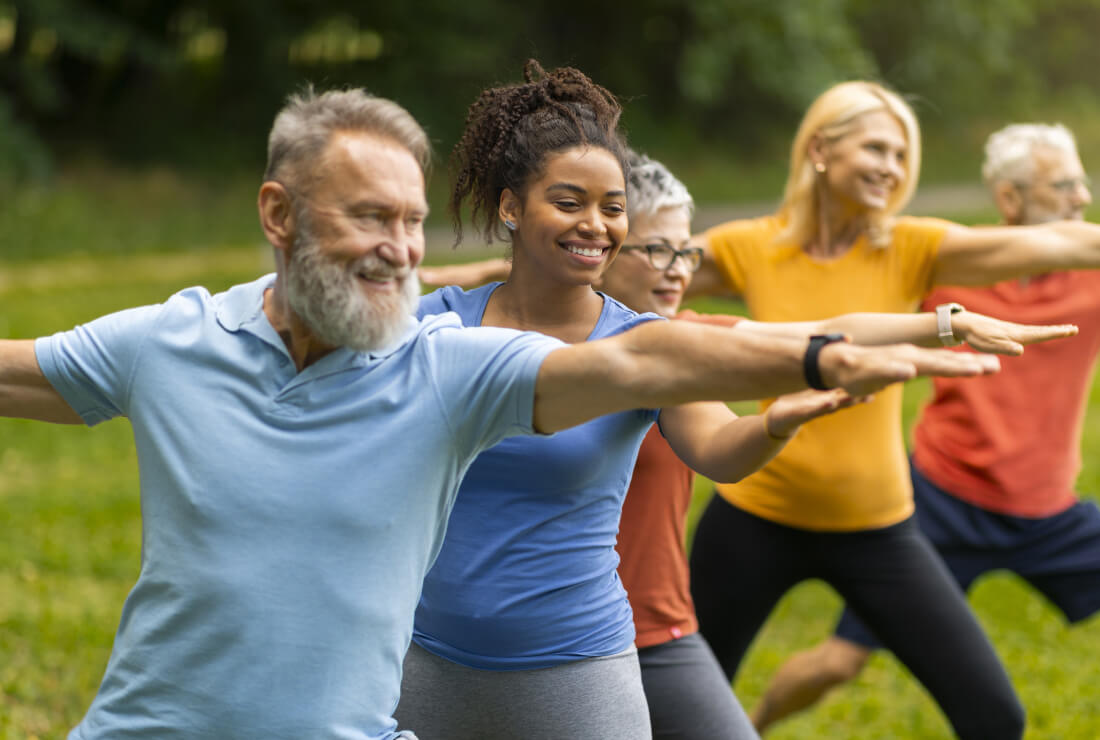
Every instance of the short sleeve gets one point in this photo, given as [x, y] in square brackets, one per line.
[485, 380]
[917, 245]
[92, 365]
[739, 246]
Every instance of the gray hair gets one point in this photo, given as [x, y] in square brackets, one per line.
[304, 126]
[650, 187]
[1009, 153]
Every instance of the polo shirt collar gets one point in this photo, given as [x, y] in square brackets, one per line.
[242, 309]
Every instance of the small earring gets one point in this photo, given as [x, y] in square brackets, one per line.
[510, 224]
[820, 167]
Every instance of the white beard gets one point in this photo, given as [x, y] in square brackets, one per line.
[326, 295]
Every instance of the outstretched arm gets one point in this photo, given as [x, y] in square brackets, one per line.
[707, 280]
[467, 275]
[980, 255]
[661, 364]
[24, 391]
[981, 332]
[714, 441]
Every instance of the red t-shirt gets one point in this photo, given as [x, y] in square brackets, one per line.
[653, 562]
[1010, 442]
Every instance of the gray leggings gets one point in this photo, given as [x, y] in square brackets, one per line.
[689, 696]
[590, 698]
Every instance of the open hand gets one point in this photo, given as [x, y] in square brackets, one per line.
[987, 334]
[790, 411]
[864, 370]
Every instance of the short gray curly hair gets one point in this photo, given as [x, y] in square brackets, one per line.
[650, 187]
[306, 123]
[1009, 153]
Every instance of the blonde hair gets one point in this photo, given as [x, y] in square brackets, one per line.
[832, 116]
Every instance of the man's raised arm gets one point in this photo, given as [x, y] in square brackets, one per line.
[24, 391]
[668, 363]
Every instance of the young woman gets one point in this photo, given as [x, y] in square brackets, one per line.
[523, 628]
[687, 693]
[837, 504]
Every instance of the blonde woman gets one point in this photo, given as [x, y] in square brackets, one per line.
[837, 502]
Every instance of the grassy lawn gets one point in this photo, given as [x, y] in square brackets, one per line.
[70, 518]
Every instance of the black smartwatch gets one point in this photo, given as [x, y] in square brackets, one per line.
[810, 365]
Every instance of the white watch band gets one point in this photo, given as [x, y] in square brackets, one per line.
[943, 323]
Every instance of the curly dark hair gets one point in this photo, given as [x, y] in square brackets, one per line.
[511, 129]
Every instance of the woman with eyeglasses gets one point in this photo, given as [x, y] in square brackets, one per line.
[686, 691]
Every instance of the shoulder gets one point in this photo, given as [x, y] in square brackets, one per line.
[918, 228]
[617, 318]
[763, 229]
[466, 303]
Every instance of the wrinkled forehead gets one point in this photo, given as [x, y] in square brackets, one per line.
[672, 223]
[354, 162]
[1056, 163]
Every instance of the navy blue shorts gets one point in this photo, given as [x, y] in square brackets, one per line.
[1059, 555]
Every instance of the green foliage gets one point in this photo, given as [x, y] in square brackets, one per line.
[196, 82]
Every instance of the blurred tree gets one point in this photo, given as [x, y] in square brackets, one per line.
[164, 79]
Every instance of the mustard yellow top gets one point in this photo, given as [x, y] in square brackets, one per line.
[847, 471]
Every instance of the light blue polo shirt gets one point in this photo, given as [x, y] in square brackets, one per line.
[289, 518]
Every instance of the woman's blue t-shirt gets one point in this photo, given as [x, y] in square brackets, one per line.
[527, 574]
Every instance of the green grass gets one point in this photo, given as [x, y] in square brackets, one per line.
[70, 515]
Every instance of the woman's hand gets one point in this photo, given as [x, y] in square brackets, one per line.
[789, 412]
[987, 334]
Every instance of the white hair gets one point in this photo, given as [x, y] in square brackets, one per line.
[304, 126]
[650, 187]
[1010, 152]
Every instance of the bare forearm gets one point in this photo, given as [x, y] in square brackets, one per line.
[982, 255]
[24, 391]
[662, 364]
[863, 328]
[466, 275]
[741, 448]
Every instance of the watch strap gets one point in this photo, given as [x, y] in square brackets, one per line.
[943, 323]
[810, 365]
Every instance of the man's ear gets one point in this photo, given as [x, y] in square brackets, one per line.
[276, 214]
[1009, 200]
[510, 208]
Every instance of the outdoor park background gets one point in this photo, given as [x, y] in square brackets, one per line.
[131, 144]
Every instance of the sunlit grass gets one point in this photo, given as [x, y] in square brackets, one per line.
[70, 515]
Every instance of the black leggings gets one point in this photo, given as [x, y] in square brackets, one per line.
[741, 565]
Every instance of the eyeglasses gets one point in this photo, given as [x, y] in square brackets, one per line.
[1071, 184]
[1066, 186]
[662, 255]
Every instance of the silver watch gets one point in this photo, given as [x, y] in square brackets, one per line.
[943, 323]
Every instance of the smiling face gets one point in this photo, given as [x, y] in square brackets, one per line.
[350, 271]
[633, 280]
[865, 166]
[571, 220]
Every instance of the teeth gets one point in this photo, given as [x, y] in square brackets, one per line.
[585, 252]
